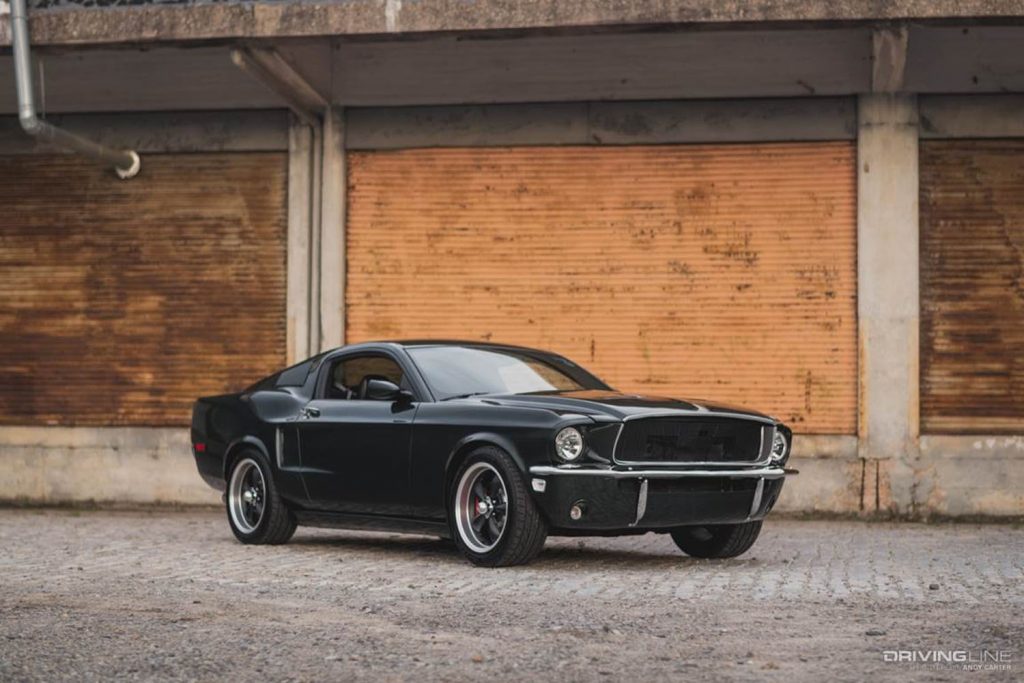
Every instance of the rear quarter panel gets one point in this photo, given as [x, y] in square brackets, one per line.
[225, 423]
[217, 421]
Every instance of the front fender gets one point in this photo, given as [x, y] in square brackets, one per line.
[484, 438]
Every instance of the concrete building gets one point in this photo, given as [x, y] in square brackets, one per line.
[814, 209]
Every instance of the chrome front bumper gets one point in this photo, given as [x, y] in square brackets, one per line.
[619, 473]
[618, 499]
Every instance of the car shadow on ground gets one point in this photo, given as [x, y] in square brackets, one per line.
[574, 553]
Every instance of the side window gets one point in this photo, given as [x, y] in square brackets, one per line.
[346, 379]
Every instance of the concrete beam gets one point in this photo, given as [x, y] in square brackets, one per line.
[972, 116]
[887, 292]
[138, 80]
[154, 133]
[888, 59]
[332, 232]
[759, 63]
[965, 59]
[602, 123]
[150, 23]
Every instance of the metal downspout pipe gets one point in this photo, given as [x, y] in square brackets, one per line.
[125, 162]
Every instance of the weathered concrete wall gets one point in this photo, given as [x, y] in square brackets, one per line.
[970, 476]
[830, 476]
[102, 465]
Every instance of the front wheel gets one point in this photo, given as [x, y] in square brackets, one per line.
[717, 540]
[493, 518]
[256, 513]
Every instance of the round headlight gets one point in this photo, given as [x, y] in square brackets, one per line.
[779, 446]
[569, 444]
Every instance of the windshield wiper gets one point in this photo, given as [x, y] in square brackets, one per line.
[469, 395]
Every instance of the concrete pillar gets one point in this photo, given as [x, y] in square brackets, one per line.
[300, 177]
[332, 231]
[887, 299]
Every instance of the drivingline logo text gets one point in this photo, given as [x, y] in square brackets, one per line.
[1000, 660]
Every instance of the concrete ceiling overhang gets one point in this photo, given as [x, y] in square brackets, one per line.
[79, 22]
[482, 69]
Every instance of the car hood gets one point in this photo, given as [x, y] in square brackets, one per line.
[617, 405]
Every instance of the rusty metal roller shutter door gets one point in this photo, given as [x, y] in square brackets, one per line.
[122, 301]
[972, 286]
[720, 271]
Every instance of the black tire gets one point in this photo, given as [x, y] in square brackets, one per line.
[523, 529]
[717, 540]
[275, 524]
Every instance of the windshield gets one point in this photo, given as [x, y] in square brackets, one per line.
[453, 371]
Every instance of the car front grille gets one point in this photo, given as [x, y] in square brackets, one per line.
[667, 440]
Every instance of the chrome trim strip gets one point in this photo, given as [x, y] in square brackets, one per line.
[279, 447]
[615, 446]
[760, 472]
[704, 412]
[692, 463]
[758, 494]
[641, 502]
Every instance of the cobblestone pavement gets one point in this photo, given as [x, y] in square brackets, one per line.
[172, 595]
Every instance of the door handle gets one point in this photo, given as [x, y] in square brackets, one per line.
[310, 411]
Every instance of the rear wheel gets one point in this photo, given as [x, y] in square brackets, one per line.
[256, 513]
[493, 518]
[717, 540]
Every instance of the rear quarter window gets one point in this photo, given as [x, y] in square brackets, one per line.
[294, 376]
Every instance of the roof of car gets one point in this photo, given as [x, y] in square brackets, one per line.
[412, 343]
[458, 342]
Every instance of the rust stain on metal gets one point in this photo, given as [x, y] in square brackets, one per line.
[701, 270]
[972, 286]
[121, 302]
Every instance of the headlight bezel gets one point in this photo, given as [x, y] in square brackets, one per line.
[777, 455]
[564, 436]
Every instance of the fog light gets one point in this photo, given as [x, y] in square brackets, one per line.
[576, 512]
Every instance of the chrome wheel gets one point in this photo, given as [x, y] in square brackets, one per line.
[481, 507]
[247, 496]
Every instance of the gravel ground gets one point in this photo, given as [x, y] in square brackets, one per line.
[172, 596]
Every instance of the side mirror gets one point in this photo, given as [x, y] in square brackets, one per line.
[383, 390]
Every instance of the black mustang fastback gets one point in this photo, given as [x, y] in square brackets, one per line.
[494, 446]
